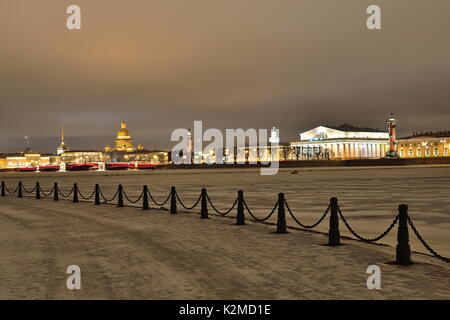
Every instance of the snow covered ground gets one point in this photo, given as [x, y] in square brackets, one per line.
[368, 196]
[127, 253]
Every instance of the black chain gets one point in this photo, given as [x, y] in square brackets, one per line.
[27, 191]
[135, 201]
[306, 226]
[186, 207]
[157, 203]
[66, 195]
[7, 190]
[365, 239]
[86, 198]
[104, 198]
[257, 219]
[221, 213]
[47, 194]
[426, 245]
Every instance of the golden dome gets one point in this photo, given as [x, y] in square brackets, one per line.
[123, 133]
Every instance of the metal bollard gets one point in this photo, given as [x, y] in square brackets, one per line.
[204, 209]
[403, 251]
[3, 192]
[145, 199]
[240, 217]
[55, 192]
[173, 200]
[97, 195]
[38, 191]
[19, 193]
[75, 192]
[281, 221]
[334, 236]
[120, 197]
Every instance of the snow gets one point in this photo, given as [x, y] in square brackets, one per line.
[128, 253]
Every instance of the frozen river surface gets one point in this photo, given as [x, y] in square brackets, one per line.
[369, 197]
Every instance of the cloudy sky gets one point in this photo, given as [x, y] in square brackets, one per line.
[161, 64]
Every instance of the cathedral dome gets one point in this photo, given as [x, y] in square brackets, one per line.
[123, 133]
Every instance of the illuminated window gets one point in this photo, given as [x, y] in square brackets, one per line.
[401, 152]
[445, 152]
[427, 152]
[436, 152]
[410, 152]
[419, 152]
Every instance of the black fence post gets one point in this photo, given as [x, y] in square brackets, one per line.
[75, 192]
[38, 191]
[403, 254]
[281, 221]
[55, 192]
[173, 200]
[334, 236]
[97, 194]
[204, 209]
[145, 198]
[19, 193]
[3, 192]
[240, 217]
[120, 197]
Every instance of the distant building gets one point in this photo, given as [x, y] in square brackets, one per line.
[25, 159]
[124, 142]
[125, 151]
[425, 145]
[342, 142]
[62, 147]
[82, 156]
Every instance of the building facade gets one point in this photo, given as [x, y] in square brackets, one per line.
[82, 156]
[340, 143]
[425, 145]
[24, 160]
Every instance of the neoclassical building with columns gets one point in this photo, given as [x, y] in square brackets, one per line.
[340, 143]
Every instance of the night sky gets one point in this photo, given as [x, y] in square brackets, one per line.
[161, 64]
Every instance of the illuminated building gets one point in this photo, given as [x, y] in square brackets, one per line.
[123, 140]
[23, 160]
[146, 156]
[82, 156]
[340, 143]
[125, 151]
[62, 147]
[425, 145]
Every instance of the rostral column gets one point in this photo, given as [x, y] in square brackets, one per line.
[392, 124]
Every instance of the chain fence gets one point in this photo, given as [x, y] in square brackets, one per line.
[425, 244]
[133, 201]
[13, 192]
[303, 225]
[106, 200]
[241, 203]
[222, 213]
[159, 203]
[187, 207]
[381, 236]
[255, 217]
[86, 197]
[66, 195]
[49, 194]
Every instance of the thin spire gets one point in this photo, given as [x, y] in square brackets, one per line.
[62, 133]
